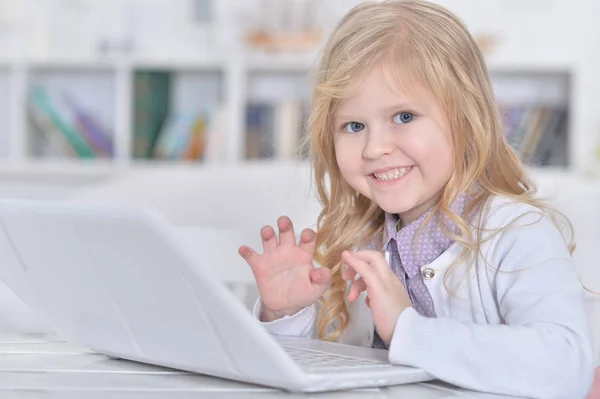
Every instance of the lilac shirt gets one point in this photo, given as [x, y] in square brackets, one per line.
[407, 255]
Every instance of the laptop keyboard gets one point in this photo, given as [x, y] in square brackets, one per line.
[314, 360]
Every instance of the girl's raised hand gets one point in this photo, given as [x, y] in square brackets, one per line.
[285, 275]
[386, 295]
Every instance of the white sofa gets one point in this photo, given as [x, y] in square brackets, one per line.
[225, 206]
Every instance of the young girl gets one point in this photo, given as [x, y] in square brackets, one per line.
[430, 241]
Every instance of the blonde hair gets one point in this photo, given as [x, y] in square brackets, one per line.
[431, 46]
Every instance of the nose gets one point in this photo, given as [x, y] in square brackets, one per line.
[379, 142]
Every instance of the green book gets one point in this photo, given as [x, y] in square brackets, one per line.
[151, 108]
[40, 99]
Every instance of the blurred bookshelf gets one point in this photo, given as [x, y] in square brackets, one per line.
[535, 112]
[237, 103]
[96, 115]
[276, 112]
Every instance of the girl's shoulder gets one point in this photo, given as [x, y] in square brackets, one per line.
[500, 209]
[500, 213]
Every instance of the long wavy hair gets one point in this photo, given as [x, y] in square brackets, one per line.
[429, 45]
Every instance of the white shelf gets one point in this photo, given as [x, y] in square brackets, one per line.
[281, 63]
[530, 66]
[277, 85]
[41, 168]
[101, 168]
[73, 64]
[533, 88]
[106, 63]
[191, 64]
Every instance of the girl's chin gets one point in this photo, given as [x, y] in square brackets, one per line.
[396, 208]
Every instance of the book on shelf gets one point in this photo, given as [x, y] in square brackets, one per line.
[193, 136]
[162, 132]
[66, 128]
[151, 108]
[538, 133]
[275, 129]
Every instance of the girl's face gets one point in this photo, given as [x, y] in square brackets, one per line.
[393, 146]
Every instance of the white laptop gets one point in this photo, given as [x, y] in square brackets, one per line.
[118, 281]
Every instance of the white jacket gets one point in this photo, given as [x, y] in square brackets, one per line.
[517, 325]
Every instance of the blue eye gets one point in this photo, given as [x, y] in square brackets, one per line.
[354, 127]
[403, 117]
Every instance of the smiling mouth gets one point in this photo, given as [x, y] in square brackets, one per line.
[392, 174]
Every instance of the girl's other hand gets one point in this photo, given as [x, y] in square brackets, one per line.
[386, 295]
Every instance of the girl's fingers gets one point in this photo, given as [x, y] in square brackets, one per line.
[372, 278]
[359, 266]
[249, 255]
[269, 239]
[308, 241]
[286, 231]
[348, 273]
[375, 259]
[357, 287]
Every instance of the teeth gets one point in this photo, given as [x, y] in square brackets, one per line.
[392, 174]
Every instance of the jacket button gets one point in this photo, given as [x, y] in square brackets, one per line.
[428, 273]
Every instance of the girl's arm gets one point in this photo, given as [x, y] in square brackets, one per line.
[301, 324]
[544, 348]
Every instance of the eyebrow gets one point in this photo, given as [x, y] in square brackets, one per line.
[405, 106]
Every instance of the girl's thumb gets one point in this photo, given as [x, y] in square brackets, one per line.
[320, 276]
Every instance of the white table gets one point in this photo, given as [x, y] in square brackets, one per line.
[47, 367]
